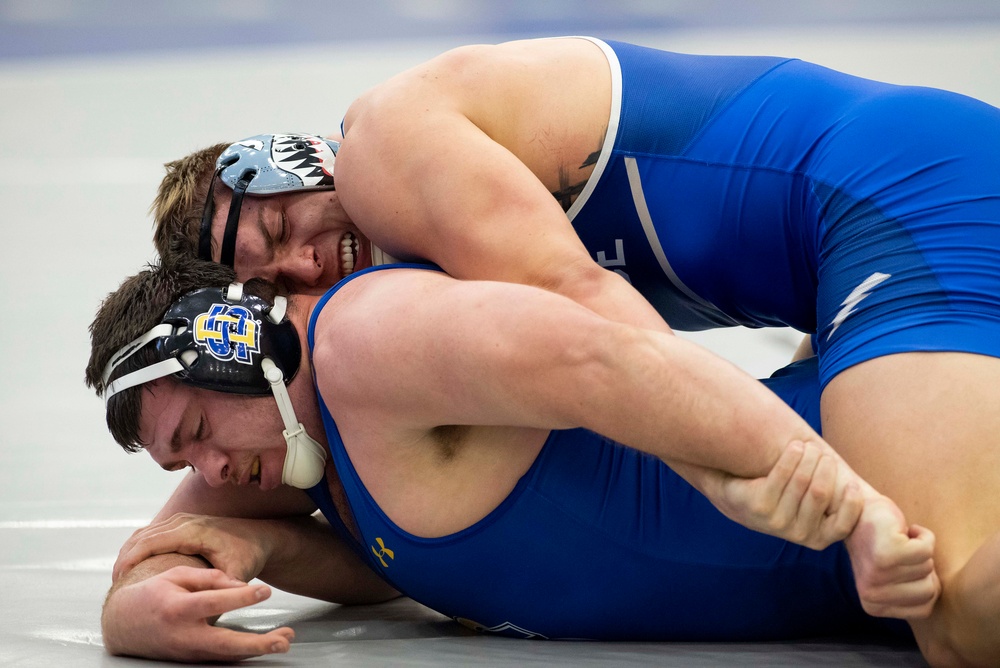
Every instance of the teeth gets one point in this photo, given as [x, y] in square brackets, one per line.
[255, 468]
[348, 253]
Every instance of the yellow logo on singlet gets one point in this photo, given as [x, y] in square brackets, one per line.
[382, 552]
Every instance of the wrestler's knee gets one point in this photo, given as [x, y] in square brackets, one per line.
[962, 629]
[922, 429]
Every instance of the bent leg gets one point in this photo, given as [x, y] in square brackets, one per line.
[924, 429]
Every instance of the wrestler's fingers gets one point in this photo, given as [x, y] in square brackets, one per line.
[231, 645]
[219, 644]
[910, 600]
[780, 477]
[810, 509]
[887, 576]
[119, 568]
[911, 573]
[209, 603]
[804, 478]
[128, 555]
[796, 508]
[913, 556]
[819, 495]
[916, 550]
[146, 547]
[922, 541]
[922, 611]
[839, 525]
[200, 579]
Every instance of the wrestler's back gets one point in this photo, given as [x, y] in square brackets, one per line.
[736, 189]
[547, 101]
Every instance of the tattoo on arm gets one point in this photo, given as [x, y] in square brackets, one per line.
[568, 191]
[591, 159]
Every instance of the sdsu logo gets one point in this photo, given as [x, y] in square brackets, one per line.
[229, 332]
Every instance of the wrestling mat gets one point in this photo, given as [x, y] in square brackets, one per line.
[54, 576]
[83, 137]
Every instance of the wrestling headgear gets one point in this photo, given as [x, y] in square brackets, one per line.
[265, 165]
[222, 339]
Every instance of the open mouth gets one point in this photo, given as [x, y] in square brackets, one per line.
[348, 254]
[255, 471]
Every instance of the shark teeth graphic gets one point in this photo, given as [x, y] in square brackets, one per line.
[309, 158]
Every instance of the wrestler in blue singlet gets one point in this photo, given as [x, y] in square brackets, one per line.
[600, 541]
[768, 192]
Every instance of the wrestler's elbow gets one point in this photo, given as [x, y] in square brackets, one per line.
[605, 292]
[579, 278]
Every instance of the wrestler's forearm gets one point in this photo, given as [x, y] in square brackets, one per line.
[706, 413]
[298, 554]
[309, 560]
[699, 409]
[722, 418]
[685, 404]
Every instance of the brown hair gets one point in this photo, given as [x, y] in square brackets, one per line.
[133, 309]
[180, 202]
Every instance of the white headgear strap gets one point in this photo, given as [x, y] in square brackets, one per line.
[143, 375]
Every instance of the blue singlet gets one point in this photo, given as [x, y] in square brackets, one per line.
[768, 192]
[600, 541]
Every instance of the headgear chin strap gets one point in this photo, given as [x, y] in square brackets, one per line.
[305, 459]
[222, 339]
[265, 165]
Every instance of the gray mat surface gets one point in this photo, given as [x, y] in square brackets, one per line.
[53, 581]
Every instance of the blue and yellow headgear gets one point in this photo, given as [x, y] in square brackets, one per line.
[226, 340]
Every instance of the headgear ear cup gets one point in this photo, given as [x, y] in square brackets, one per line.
[305, 459]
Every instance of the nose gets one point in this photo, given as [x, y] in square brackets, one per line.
[302, 268]
[213, 466]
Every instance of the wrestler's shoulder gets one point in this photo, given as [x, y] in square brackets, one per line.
[473, 70]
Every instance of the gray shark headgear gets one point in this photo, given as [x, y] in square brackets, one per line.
[225, 340]
[265, 165]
